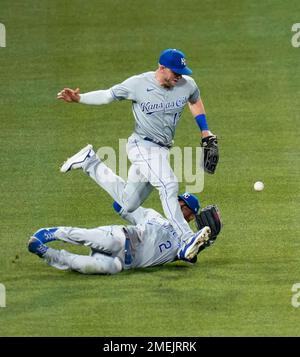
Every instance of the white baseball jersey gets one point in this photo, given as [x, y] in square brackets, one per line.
[157, 242]
[156, 109]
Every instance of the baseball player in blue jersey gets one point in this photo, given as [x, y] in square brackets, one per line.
[158, 99]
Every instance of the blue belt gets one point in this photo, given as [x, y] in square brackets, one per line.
[128, 257]
[158, 143]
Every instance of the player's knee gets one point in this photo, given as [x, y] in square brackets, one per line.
[114, 266]
[117, 266]
[90, 268]
[118, 245]
[101, 266]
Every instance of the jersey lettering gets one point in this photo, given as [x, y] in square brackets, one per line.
[149, 107]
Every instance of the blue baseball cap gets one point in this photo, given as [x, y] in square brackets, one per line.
[191, 201]
[175, 61]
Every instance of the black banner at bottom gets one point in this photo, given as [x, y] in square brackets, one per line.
[133, 346]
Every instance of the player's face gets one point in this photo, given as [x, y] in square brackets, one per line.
[170, 78]
[188, 214]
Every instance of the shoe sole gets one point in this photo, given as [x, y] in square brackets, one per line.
[67, 166]
[203, 238]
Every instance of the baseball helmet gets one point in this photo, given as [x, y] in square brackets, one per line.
[191, 201]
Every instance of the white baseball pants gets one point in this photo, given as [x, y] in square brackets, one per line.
[107, 244]
[150, 168]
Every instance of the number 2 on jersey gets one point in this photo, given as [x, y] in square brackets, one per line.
[166, 245]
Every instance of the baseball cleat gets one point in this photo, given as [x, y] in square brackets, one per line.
[35, 246]
[78, 160]
[45, 235]
[191, 247]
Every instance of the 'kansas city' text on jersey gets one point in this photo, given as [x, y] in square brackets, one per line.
[156, 109]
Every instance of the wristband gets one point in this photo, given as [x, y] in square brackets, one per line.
[201, 121]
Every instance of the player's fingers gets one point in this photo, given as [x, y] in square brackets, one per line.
[77, 90]
[65, 97]
[62, 97]
[68, 91]
[67, 94]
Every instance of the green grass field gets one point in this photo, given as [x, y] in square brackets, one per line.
[249, 75]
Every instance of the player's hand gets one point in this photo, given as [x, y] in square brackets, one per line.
[69, 95]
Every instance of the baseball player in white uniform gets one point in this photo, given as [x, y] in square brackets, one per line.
[158, 99]
[150, 240]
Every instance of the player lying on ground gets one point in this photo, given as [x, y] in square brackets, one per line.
[158, 99]
[149, 241]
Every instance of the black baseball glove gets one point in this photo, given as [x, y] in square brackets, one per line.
[210, 216]
[211, 153]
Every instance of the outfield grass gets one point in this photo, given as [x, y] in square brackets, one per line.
[249, 77]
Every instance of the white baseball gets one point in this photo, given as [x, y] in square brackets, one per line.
[259, 186]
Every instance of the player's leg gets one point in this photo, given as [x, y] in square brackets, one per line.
[167, 185]
[63, 260]
[153, 164]
[84, 264]
[114, 185]
[106, 239]
[136, 189]
[89, 162]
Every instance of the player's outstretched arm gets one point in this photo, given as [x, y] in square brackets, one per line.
[69, 95]
[98, 97]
